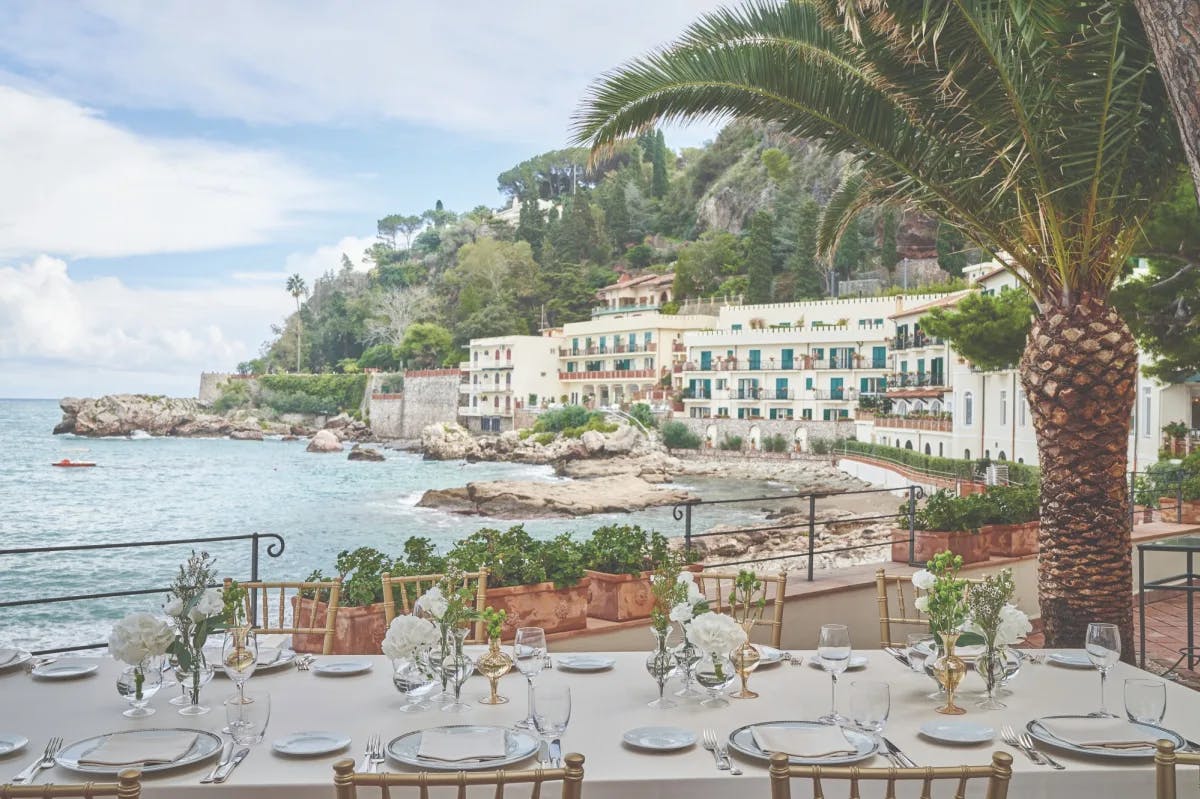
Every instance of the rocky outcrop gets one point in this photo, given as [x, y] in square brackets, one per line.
[360, 453]
[347, 428]
[324, 441]
[444, 442]
[246, 435]
[123, 414]
[505, 499]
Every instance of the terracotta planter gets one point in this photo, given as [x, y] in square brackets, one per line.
[973, 547]
[1012, 540]
[1191, 511]
[542, 605]
[357, 631]
[621, 597]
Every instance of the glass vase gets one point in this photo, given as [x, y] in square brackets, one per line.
[949, 669]
[413, 678]
[138, 684]
[494, 664]
[715, 673]
[192, 680]
[992, 666]
[660, 663]
[455, 667]
[745, 660]
[687, 656]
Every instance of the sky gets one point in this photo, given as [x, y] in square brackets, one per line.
[165, 164]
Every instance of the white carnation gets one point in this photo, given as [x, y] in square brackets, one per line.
[694, 596]
[921, 603]
[683, 612]
[408, 636]
[1014, 625]
[433, 603]
[923, 579]
[139, 636]
[715, 633]
[210, 603]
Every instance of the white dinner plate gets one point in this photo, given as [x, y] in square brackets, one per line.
[13, 657]
[206, 747]
[584, 662]
[742, 740]
[519, 745]
[1072, 660]
[856, 662]
[340, 668]
[286, 656]
[660, 739]
[1042, 735]
[65, 669]
[10, 743]
[957, 732]
[310, 743]
[768, 655]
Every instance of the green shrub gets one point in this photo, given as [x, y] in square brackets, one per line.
[623, 549]
[820, 446]
[326, 393]
[731, 443]
[1011, 504]
[944, 511]
[1021, 473]
[643, 415]
[514, 557]
[234, 394]
[524, 433]
[361, 570]
[596, 423]
[676, 435]
[775, 443]
[559, 419]
[544, 438]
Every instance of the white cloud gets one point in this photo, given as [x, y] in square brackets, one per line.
[324, 259]
[513, 70]
[78, 185]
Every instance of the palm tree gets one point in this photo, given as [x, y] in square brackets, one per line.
[297, 288]
[1041, 131]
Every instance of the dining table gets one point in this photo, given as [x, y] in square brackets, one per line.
[605, 705]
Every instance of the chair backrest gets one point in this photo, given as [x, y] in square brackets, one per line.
[410, 588]
[717, 586]
[267, 602]
[898, 608]
[997, 775]
[127, 786]
[1165, 760]
[346, 781]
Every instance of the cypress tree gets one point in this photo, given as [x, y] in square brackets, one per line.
[658, 180]
[758, 258]
[802, 266]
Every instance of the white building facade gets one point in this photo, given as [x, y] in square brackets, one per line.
[505, 374]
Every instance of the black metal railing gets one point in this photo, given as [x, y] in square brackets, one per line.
[687, 512]
[1160, 492]
[274, 546]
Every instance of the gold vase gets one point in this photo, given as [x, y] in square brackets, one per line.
[494, 664]
[949, 670]
[745, 660]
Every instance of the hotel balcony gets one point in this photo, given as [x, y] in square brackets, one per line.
[942, 423]
[608, 310]
[915, 341]
[916, 380]
[799, 364]
[614, 374]
[579, 352]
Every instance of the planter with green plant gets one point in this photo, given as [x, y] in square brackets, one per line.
[619, 560]
[536, 583]
[945, 522]
[1011, 520]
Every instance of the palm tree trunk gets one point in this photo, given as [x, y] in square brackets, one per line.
[1079, 371]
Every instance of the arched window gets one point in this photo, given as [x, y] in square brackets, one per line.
[968, 408]
[1020, 460]
[966, 454]
[908, 444]
[928, 451]
[1001, 457]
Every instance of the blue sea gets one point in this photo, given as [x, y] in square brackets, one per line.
[148, 488]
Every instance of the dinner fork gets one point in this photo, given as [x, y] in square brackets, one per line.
[30, 772]
[303, 662]
[1010, 737]
[709, 739]
[377, 757]
[368, 754]
[1027, 742]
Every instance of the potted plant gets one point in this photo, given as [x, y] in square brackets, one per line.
[360, 624]
[619, 560]
[1010, 519]
[945, 523]
[1175, 433]
[536, 583]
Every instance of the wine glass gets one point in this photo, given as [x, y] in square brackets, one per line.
[1145, 700]
[529, 653]
[870, 704]
[239, 657]
[833, 652]
[551, 713]
[1103, 646]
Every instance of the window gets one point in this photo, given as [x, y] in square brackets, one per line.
[806, 413]
[968, 410]
[1021, 407]
[808, 384]
[940, 448]
[736, 327]
[966, 454]
[755, 359]
[1147, 427]
[1003, 408]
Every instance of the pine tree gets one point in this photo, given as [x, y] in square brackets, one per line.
[850, 252]
[658, 181]
[802, 266]
[758, 259]
[889, 255]
[531, 224]
[951, 249]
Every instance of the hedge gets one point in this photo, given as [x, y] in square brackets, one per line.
[1021, 473]
[325, 393]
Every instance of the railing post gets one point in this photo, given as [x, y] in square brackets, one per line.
[687, 528]
[812, 532]
[1179, 501]
[254, 578]
[1132, 499]
[912, 523]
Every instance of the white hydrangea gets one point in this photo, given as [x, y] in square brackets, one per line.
[715, 633]
[432, 602]
[210, 603]
[407, 636]
[923, 579]
[139, 636]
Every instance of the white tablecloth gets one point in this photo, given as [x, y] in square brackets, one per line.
[605, 705]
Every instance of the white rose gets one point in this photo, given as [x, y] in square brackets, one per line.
[921, 603]
[407, 636]
[174, 607]
[923, 579]
[210, 603]
[715, 633]
[432, 602]
[1014, 625]
[139, 636]
[694, 596]
[683, 612]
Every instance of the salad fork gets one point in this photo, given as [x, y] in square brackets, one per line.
[44, 762]
[1010, 737]
[1027, 742]
[368, 755]
[377, 757]
[709, 740]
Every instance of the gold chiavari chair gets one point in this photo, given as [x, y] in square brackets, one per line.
[997, 775]
[127, 786]
[717, 586]
[900, 610]
[1165, 760]
[346, 782]
[411, 587]
[263, 595]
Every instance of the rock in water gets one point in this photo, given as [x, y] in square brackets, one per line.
[246, 435]
[508, 499]
[593, 440]
[324, 441]
[360, 453]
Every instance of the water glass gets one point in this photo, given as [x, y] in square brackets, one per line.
[1145, 700]
[918, 647]
[247, 714]
[833, 652]
[870, 704]
[529, 656]
[1103, 646]
[551, 713]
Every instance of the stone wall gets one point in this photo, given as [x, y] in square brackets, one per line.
[796, 431]
[211, 383]
[429, 397]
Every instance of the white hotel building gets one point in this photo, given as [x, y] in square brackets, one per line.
[504, 374]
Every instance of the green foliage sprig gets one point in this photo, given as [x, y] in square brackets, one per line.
[987, 599]
[676, 435]
[494, 620]
[514, 557]
[624, 549]
[946, 606]
[744, 605]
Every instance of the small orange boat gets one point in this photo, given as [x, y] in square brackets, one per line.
[68, 463]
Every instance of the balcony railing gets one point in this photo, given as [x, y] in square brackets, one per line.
[798, 364]
[576, 352]
[608, 310]
[915, 341]
[916, 380]
[612, 374]
[943, 424]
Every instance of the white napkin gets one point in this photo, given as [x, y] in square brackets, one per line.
[125, 750]
[806, 742]
[1099, 733]
[267, 655]
[8, 655]
[455, 746]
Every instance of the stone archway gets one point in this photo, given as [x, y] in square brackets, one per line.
[800, 440]
[710, 436]
[754, 439]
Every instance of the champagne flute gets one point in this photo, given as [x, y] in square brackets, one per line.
[239, 657]
[551, 713]
[833, 651]
[529, 656]
[1103, 646]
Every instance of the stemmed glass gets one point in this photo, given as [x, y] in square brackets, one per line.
[870, 704]
[551, 713]
[239, 657]
[1103, 645]
[833, 651]
[529, 656]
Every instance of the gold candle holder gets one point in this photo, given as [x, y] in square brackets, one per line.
[494, 664]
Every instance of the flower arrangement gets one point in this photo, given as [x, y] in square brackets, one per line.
[408, 637]
[993, 615]
[448, 602]
[693, 602]
[668, 591]
[494, 621]
[945, 593]
[744, 608]
[716, 635]
[196, 610]
[136, 639]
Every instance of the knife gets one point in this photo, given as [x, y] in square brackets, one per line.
[226, 753]
[556, 752]
[898, 655]
[895, 750]
[228, 768]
